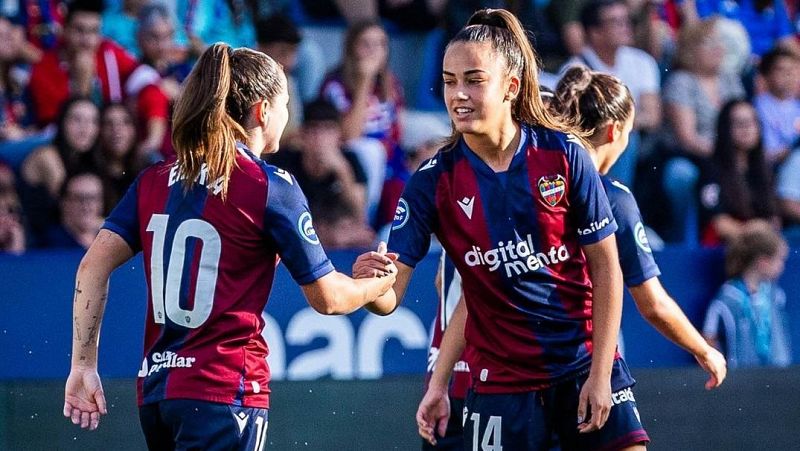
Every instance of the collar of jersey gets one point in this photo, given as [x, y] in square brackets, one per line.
[242, 148]
[517, 160]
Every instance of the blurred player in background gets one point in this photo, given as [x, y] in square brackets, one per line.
[212, 226]
[602, 107]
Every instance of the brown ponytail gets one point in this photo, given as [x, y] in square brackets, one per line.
[509, 38]
[213, 107]
[588, 100]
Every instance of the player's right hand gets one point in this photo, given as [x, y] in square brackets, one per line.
[433, 414]
[714, 363]
[84, 400]
[375, 263]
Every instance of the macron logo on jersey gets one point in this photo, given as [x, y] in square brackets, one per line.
[466, 205]
[284, 175]
[594, 226]
[166, 359]
[517, 258]
[431, 163]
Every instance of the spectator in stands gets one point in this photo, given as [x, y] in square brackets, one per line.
[208, 21]
[693, 96]
[279, 37]
[44, 171]
[766, 21]
[17, 136]
[83, 65]
[81, 205]
[747, 319]
[12, 230]
[14, 113]
[406, 14]
[370, 99]
[779, 106]
[331, 178]
[159, 48]
[736, 186]
[116, 160]
[42, 22]
[120, 24]
[788, 188]
[609, 35]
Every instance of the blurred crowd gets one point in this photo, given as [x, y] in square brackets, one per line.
[86, 88]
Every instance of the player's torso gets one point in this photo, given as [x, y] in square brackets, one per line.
[513, 238]
[209, 270]
[511, 235]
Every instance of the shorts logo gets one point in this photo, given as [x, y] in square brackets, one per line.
[626, 394]
[306, 228]
[401, 214]
[166, 359]
[641, 237]
[552, 188]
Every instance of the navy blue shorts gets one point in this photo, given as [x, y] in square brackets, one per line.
[186, 424]
[547, 419]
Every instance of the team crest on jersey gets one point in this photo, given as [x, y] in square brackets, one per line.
[552, 189]
[401, 214]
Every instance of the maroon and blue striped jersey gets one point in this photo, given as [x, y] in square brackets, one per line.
[515, 237]
[209, 264]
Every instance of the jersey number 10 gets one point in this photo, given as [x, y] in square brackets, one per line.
[166, 296]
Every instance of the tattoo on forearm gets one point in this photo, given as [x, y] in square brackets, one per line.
[76, 293]
[91, 338]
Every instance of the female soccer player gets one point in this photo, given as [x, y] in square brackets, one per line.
[517, 204]
[602, 107]
[212, 225]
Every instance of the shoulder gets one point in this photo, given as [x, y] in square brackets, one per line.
[619, 195]
[731, 293]
[547, 139]
[46, 65]
[635, 55]
[680, 78]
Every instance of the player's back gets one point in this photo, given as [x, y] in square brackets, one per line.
[209, 264]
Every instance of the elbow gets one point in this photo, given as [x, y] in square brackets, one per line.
[327, 307]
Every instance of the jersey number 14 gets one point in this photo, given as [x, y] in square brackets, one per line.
[166, 287]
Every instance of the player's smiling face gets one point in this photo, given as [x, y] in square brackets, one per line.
[475, 84]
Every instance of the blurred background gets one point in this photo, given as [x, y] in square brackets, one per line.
[86, 90]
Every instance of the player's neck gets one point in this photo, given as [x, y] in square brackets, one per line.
[496, 149]
[752, 279]
[255, 141]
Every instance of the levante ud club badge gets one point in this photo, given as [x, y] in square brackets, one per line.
[552, 188]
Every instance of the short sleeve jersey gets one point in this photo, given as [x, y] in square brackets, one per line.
[515, 237]
[635, 256]
[209, 264]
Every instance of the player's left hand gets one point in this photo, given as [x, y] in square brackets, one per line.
[84, 400]
[594, 403]
[714, 363]
[433, 414]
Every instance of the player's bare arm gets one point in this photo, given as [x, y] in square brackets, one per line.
[338, 294]
[433, 412]
[84, 400]
[663, 313]
[595, 398]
